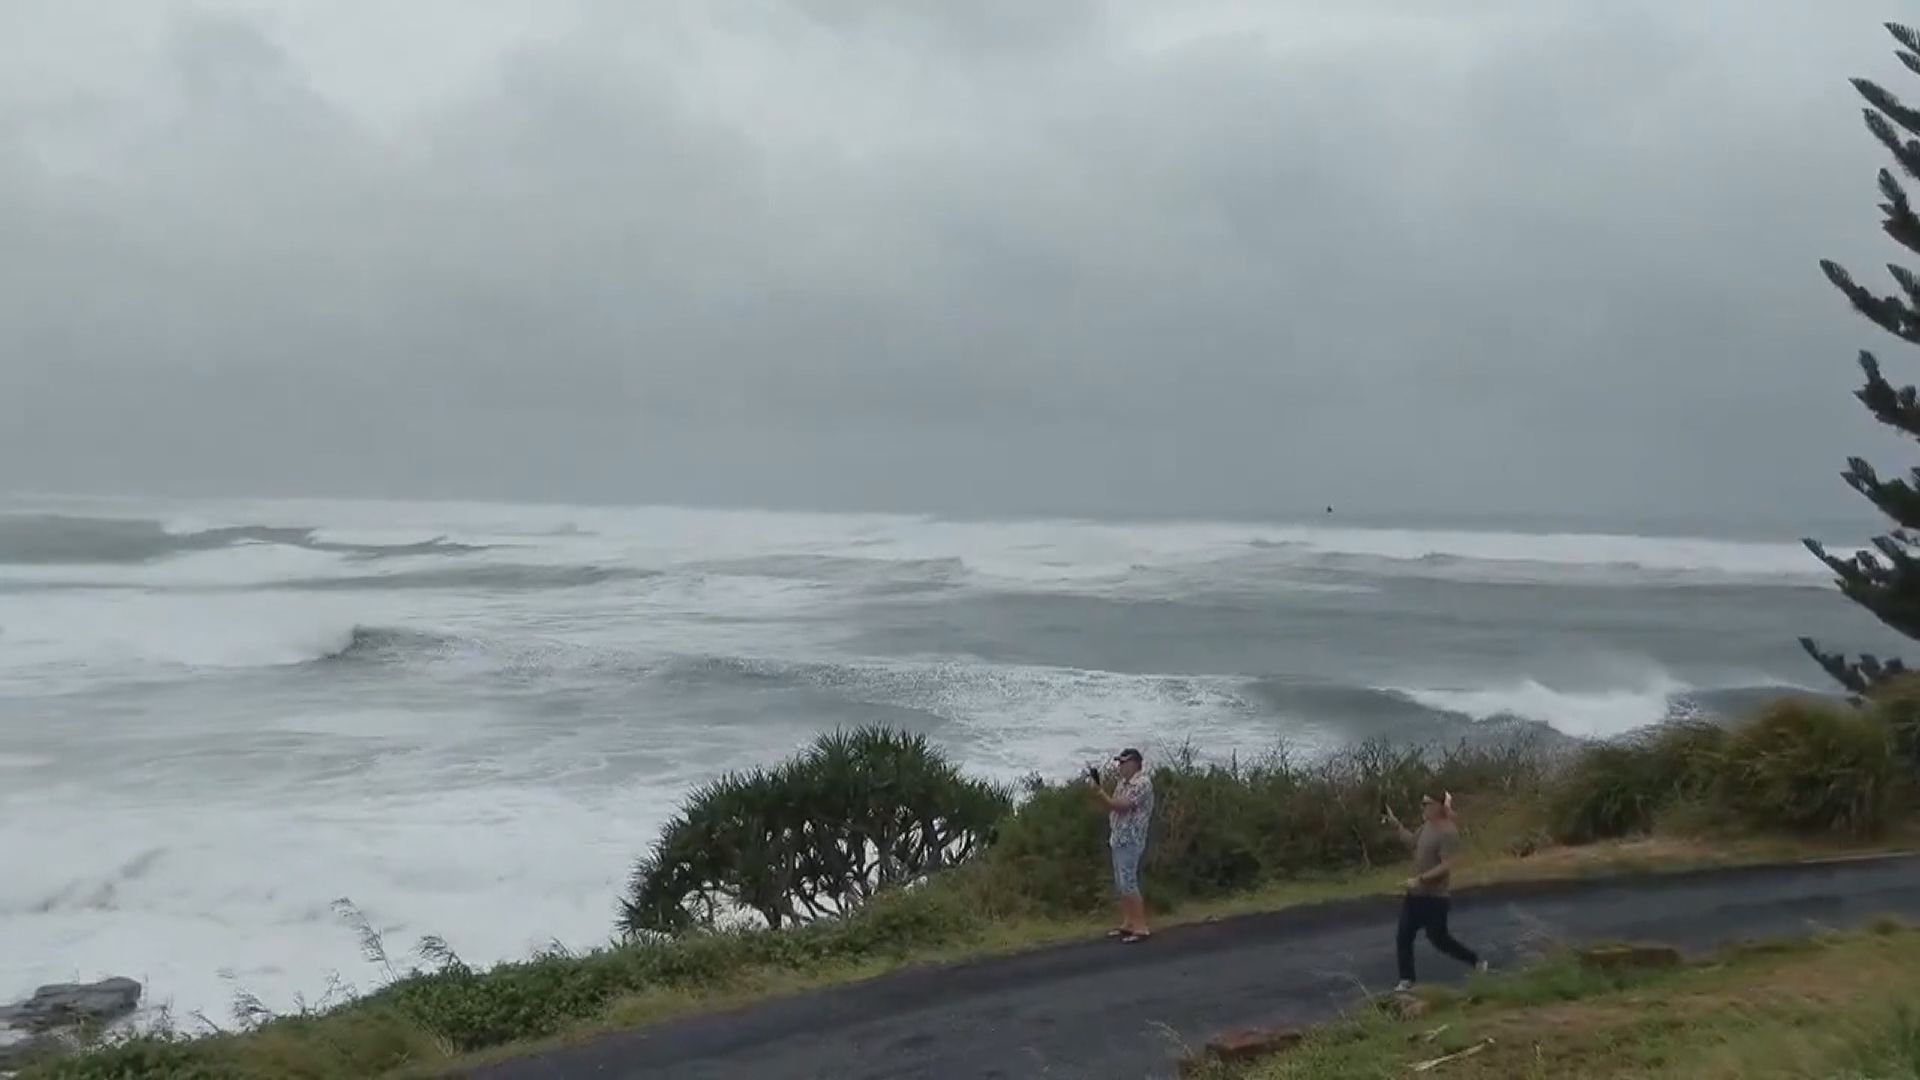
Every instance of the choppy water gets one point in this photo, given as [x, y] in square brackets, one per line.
[217, 718]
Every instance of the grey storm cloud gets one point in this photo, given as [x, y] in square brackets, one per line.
[1075, 256]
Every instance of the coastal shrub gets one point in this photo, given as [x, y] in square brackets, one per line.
[1897, 704]
[472, 1010]
[1617, 788]
[1220, 828]
[1051, 854]
[855, 813]
[1812, 766]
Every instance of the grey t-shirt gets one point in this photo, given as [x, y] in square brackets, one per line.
[1435, 843]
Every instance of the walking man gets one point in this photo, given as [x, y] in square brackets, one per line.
[1129, 812]
[1429, 890]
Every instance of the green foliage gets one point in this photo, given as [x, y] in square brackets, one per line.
[1800, 765]
[1897, 703]
[153, 1057]
[1617, 788]
[1809, 766]
[473, 1010]
[1225, 828]
[856, 813]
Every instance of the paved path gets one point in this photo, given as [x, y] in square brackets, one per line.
[1103, 1010]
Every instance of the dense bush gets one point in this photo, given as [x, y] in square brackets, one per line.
[1813, 767]
[1897, 702]
[1799, 765]
[855, 813]
[1226, 827]
[1617, 788]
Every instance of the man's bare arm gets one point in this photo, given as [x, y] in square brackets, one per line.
[1406, 834]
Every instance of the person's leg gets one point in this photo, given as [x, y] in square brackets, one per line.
[1126, 884]
[1139, 898]
[1442, 938]
[1120, 896]
[1132, 904]
[1403, 939]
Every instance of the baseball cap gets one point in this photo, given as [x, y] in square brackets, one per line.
[1129, 754]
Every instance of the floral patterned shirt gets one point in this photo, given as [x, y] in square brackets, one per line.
[1128, 828]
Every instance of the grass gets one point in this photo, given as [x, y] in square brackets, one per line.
[1834, 1006]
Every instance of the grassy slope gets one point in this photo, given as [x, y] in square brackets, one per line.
[1840, 1006]
[680, 978]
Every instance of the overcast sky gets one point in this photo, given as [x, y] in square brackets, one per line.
[1121, 256]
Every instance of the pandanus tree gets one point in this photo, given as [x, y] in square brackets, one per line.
[853, 814]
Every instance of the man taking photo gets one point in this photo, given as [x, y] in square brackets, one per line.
[1129, 812]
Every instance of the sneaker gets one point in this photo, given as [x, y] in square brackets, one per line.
[1404, 986]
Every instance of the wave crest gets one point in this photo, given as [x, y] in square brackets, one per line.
[47, 539]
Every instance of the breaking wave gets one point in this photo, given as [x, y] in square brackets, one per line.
[52, 539]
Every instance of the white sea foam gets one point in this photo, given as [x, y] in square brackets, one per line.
[207, 899]
[492, 770]
[105, 634]
[1588, 714]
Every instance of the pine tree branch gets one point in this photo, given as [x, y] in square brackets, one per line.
[1895, 498]
[1862, 677]
[1886, 312]
[1900, 221]
[1889, 590]
[1888, 104]
[1895, 408]
[1906, 152]
[1836, 667]
[1907, 36]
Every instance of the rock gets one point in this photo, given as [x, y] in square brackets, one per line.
[31, 1050]
[1253, 1043]
[1401, 1006]
[1249, 1045]
[1629, 957]
[72, 1005]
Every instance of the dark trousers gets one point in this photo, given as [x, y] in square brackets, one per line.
[1427, 913]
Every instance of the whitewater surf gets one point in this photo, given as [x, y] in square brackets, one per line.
[218, 718]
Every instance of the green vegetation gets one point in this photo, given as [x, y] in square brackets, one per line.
[1885, 581]
[966, 872]
[1838, 1006]
[1799, 766]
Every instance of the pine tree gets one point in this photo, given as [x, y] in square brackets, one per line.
[1885, 580]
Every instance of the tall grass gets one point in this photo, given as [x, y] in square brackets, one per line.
[1619, 788]
[1798, 766]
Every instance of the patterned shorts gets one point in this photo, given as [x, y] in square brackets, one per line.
[1126, 869]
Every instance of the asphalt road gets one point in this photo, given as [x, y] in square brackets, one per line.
[1104, 1010]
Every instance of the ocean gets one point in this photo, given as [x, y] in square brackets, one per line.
[219, 718]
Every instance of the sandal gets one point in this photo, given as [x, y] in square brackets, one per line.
[1117, 932]
[1131, 938]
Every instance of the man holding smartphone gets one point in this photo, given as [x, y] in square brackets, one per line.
[1429, 890]
[1129, 812]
